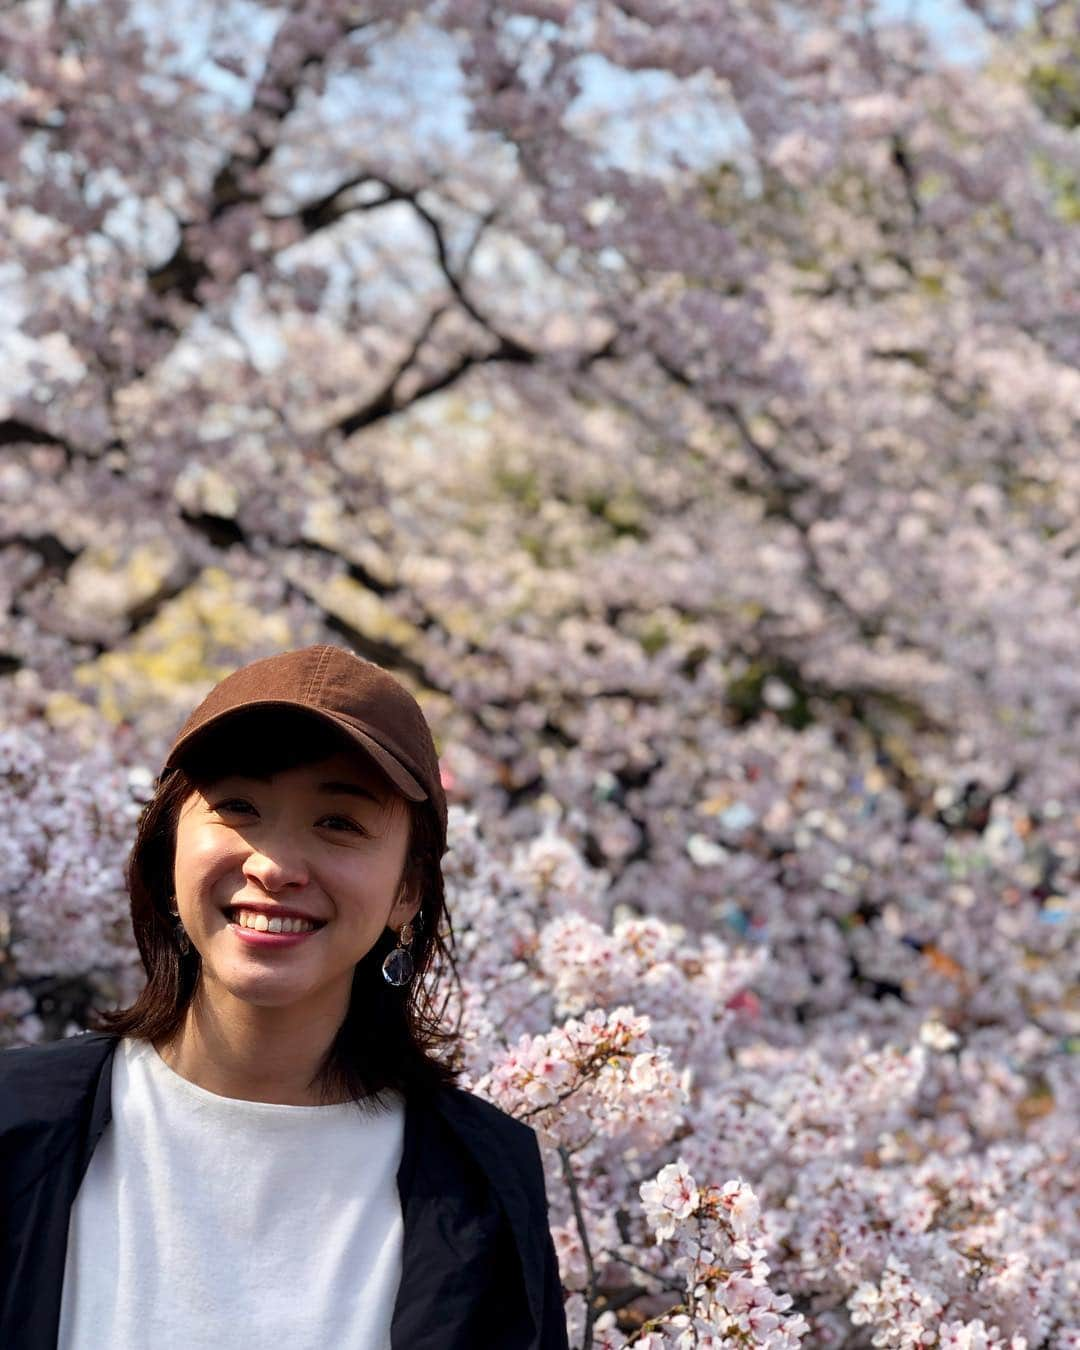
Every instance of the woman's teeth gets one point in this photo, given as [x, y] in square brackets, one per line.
[248, 919]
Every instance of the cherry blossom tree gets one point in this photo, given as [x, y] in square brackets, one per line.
[682, 400]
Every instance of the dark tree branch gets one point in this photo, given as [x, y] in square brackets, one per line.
[221, 531]
[274, 102]
[386, 401]
[181, 274]
[583, 1234]
[14, 431]
[328, 209]
[331, 208]
[902, 160]
[52, 551]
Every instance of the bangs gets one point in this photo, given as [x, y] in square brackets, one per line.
[259, 742]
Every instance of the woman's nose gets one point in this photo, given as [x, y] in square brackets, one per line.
[275, 868]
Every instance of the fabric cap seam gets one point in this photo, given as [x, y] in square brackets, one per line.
[315, 683]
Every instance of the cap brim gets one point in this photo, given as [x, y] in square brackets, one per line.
[398, 774]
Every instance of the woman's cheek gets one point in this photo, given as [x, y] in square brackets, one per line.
[205, 851]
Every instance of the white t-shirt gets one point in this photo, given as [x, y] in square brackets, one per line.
[205, 1221]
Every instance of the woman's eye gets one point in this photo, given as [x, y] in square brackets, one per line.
[343, 822]
[233, 805]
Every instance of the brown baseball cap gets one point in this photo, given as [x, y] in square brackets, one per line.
[358, 697]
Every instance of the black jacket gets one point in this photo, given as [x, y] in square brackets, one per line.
[478, 1264]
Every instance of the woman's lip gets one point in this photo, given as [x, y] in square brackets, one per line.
[259, 938]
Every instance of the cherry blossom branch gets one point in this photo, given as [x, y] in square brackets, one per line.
[583, 1234]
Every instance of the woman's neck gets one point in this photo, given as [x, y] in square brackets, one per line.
[250, 1053]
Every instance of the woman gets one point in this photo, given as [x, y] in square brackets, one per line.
[267, 1148]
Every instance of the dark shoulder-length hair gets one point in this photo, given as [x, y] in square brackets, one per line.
[391, 1037]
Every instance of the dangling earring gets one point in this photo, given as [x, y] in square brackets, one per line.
[183, 942]
[397, 968]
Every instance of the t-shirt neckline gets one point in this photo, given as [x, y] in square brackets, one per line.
[176, 1082]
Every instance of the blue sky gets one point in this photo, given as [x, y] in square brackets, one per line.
[960, 36]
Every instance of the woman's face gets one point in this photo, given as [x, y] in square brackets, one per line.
[323, 839]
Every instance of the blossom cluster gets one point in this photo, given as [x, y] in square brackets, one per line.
[715, 1232]
[599, 1076]
[66, 825]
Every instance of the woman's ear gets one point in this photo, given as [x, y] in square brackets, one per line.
[407, 905]
[405, 911]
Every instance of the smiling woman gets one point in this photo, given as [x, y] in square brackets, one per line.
[245, 812]
[310, 831]
[279, 1101]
